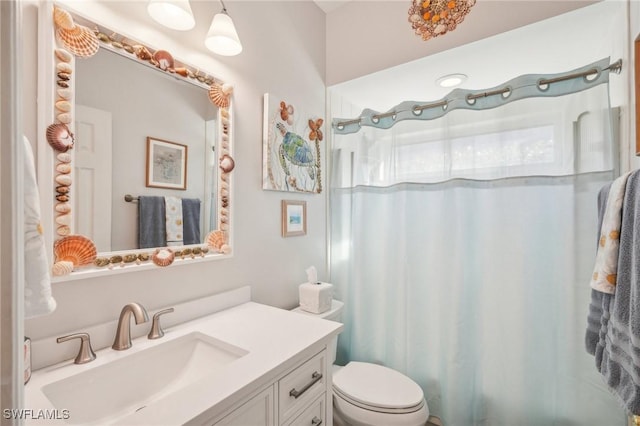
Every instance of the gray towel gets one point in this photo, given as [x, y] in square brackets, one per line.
[618, 349]
[598, 299]
[191, 221]
[151, 222]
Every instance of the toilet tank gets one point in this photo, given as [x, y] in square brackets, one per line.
[333, 314]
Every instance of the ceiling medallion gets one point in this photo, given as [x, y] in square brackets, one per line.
[431, 18]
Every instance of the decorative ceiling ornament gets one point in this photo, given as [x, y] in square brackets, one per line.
[431, 18]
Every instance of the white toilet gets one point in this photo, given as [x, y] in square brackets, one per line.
[366, 394]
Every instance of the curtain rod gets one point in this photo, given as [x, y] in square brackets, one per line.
[542, 84]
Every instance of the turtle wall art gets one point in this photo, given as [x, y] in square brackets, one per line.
[291, 147]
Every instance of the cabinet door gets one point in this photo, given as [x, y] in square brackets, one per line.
[258, 411]
[314, 415]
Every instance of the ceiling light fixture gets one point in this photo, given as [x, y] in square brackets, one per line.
[174, 14]
[433, 18]
[451, 80]
[222, 37]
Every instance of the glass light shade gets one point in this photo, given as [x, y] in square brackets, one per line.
[174, 14]
[222, 37]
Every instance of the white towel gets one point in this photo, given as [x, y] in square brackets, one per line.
[173, 219]
[605, 271]
[37, 280]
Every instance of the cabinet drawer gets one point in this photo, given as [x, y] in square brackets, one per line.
[313, 416]
[303, 385]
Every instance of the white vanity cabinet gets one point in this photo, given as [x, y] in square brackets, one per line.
[246, 365]
[297, 397]
[258, 410]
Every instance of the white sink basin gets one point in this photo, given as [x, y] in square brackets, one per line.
[126, 385]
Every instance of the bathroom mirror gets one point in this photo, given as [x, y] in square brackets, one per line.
[150, 132]
[123, 98]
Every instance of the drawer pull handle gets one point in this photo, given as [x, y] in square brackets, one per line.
[316, 421]
[315, 378]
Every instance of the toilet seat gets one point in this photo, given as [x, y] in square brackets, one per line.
[377, 388]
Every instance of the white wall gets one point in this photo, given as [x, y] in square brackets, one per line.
[284, 53]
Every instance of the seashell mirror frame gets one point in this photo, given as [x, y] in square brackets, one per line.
[57, 28]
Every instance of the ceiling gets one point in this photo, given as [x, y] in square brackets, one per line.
[366, 36]
[556, 43]
[330, 5]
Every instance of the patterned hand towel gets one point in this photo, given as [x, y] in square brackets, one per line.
[38, 299]
[605, 269]
[173, 212]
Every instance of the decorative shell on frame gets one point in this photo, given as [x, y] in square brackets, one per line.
[63, 19]
[60, 268]
[227, 164]
[220, 94]
[63, 168]
[64, 93]
[77, 249]
[64, 67]
[163, 59]
[64, 118]
[60, 137]
[63, 55]
[63, 230]
[163, 257]
[216, 239]
[80, 41]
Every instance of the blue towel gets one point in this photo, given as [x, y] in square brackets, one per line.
[617, 350]
[191, 221]
[151, 222]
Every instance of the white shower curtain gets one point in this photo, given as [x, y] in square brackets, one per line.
[477, 289]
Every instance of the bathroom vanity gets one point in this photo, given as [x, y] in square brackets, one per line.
[250, 364]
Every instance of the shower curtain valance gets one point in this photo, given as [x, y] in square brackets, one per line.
[524, 86]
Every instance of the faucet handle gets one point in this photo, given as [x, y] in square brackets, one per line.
[85, 354]
[156, 331]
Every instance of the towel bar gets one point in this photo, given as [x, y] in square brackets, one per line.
[130, 198]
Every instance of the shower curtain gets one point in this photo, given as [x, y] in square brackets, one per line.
[462, 249]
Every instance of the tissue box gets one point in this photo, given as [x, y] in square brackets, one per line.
[316, 298]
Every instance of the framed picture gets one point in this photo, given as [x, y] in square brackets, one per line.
[292, 142]
[166, 164]
[294, 218]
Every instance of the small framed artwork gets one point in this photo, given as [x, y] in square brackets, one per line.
[294, 218]
[166, 164]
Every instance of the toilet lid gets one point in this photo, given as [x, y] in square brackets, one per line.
[377, 386]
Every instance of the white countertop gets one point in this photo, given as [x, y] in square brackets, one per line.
[271, 336]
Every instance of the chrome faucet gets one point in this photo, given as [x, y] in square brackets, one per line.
[123, 332]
